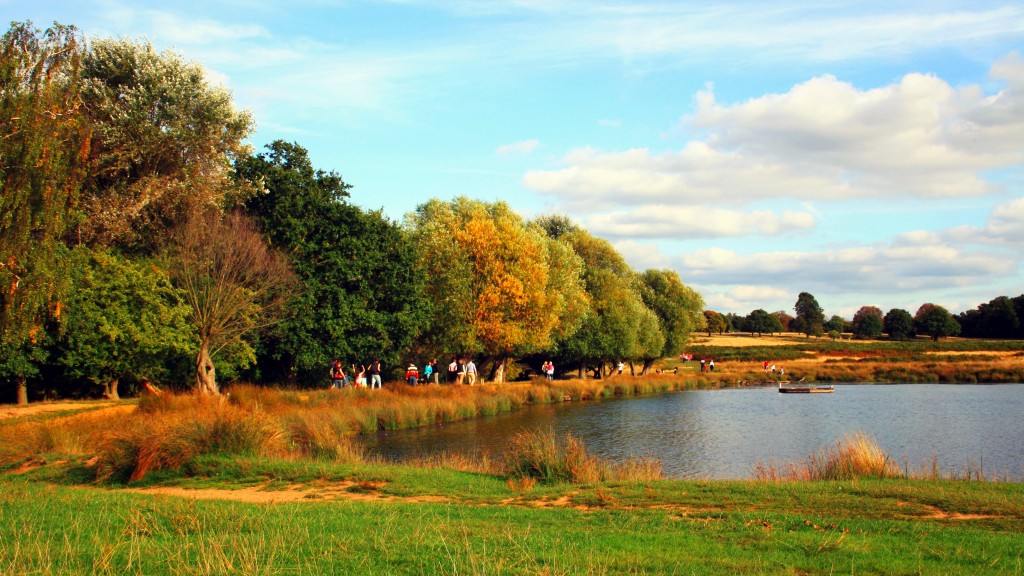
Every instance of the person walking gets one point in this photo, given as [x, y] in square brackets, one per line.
[436, 370]
[375, 374]
[337, 375]
[549, 370]
[711, 365]
[471, 372]
[703, 365]
[453, 371]
[428, 371]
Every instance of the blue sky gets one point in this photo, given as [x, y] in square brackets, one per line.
[870, 153]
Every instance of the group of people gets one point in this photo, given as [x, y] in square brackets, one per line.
[707, 366]
[769, 368]
[366, 377]
[460, 371]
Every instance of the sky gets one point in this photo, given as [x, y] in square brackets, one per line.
[869, 153]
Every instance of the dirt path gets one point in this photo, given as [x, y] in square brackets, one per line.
[8, 411]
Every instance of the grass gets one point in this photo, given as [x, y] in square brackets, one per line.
[547, 507]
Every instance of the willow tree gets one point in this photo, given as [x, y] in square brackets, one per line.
[498, 286]
[678, 307]
[233, 284]
[163, 141]
[43, 145]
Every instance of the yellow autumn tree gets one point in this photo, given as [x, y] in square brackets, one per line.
[497, 286]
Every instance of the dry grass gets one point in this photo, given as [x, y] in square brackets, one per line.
[855, 456]
[539, 455]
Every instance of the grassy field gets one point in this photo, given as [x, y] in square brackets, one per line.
[267, 481]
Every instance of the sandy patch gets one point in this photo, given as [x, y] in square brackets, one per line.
[347, 490]
[999, 353]
[745, 341]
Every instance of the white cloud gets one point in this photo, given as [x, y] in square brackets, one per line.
[822, 140]
[518, 148]
[660, 221]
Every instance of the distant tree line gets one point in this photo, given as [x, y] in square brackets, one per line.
[997, 319]
[141, 239]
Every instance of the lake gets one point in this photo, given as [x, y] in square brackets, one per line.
[723, 434]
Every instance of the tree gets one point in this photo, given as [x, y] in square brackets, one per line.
[362, 294]
[998, 319]
[715, 322]
[899, 324]
[784, 319]
[936, 322]
[808, 310]
[163, 140]
[122, 320]
[492, 289]
[760, 321]
[677, 306]
[867, 322]
[43, 147]
[836, 323]
[233, 284]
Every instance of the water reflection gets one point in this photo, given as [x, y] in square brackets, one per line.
[725, 433]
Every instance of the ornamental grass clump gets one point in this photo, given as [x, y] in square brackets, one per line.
[538, 454]
[854, 456]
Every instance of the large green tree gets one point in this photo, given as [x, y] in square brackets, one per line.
[867, 322]
[810, 314]
[123, 319]
[899, 324]
[677, 306]
[715, 322]
[759, 321]
[43, 148]
[362, 289]
[163, 140]
[935, 321]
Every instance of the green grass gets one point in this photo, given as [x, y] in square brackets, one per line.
[485, 526]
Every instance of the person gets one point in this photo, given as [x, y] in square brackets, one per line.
[772, 368]
[337, 375]
[428, 371]
[453, 371]
[361, 376]
[549, 370]
[620, 367]
[703, 366]
[471, 372]
[711, 365]
[766, 366]
[412, 374]
[375, 374]
[675, 370]
[462, 372]
[436, 370]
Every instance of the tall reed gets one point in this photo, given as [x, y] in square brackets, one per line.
[538, 454]
[854, 456]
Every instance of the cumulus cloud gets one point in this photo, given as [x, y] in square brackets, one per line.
[824, 139]
[661, 221]
[518, 148]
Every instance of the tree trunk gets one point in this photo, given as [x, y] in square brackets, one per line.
[498, 373]
[22, 385]
[643, 371]
[206, 375]
[582, 374]
[110, 390]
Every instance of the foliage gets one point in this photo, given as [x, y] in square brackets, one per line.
[715, 322]
[999, 318]
[43, 146]
[233, 284]
[677, 306]
[124, 319]
[492, 290]
[760, 321]
[162, 142]
[810, 314]
[836, 323]
[899, 325]
[362, 289]
[867, 322]
[935, 321]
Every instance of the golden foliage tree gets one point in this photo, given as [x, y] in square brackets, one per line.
[498, 286]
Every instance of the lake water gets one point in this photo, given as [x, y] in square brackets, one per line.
[723, 434]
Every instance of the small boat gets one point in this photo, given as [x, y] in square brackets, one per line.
[786, 388]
